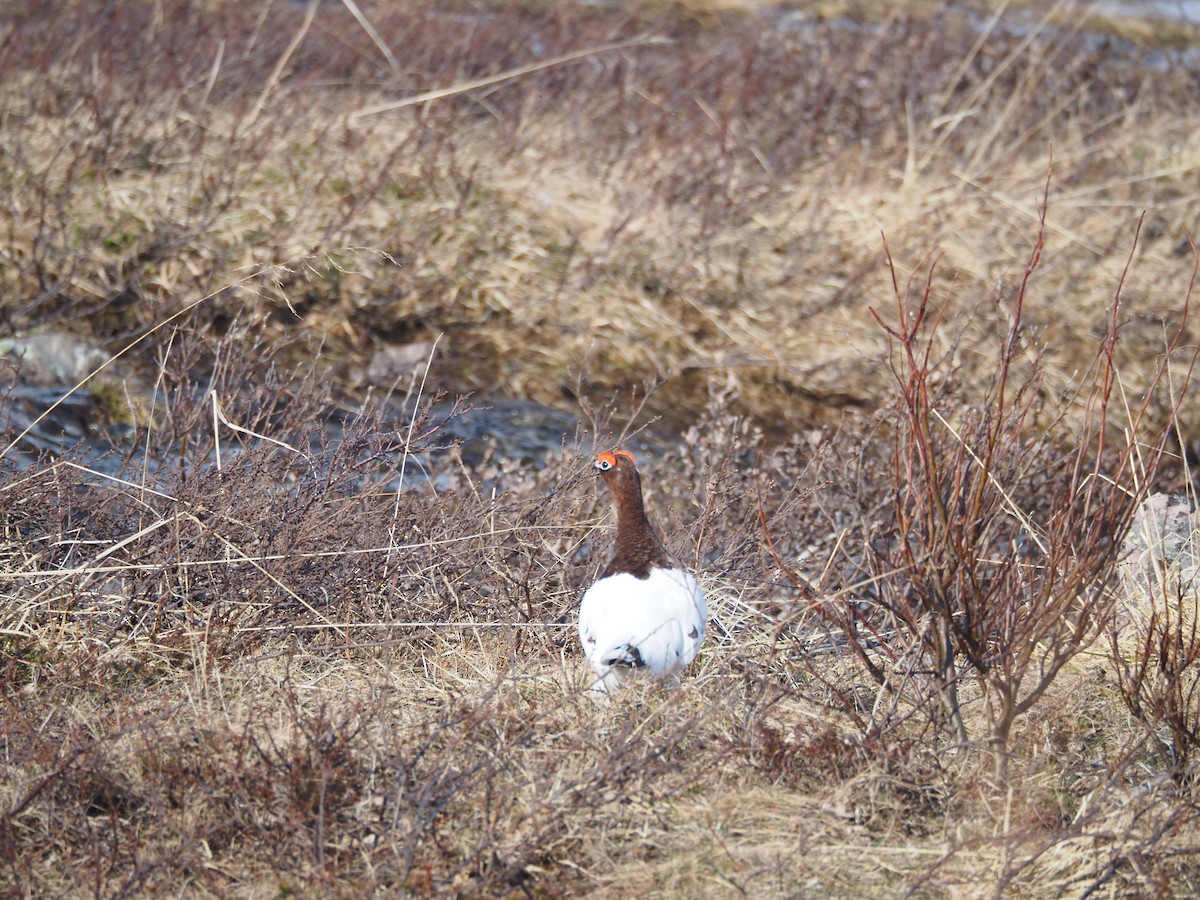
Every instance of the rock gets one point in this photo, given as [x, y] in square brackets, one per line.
[1164, 536]
[1159, 567]
[394, 361]
[52, 358]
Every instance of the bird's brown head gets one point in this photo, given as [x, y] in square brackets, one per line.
[618, 470]
[637, 547]
[615, 467]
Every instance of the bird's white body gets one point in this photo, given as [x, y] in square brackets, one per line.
[656, 623]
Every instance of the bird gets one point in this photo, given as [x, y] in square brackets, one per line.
[644, 612]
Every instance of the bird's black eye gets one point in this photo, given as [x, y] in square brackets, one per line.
[603, 465]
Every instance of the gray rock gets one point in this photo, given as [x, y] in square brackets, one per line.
[394, 361]
[1160, 556]
[52, 358]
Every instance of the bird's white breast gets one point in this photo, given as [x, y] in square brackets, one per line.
[663, 616]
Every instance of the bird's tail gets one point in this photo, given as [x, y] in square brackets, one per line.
[626, 656]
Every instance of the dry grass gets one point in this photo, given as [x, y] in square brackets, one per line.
[280, 674]
[256, 696]
[699, 201]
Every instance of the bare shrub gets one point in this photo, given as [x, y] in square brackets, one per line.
[1156, 642]
[997, 560]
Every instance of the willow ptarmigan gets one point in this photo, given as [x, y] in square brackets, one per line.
[644, 612]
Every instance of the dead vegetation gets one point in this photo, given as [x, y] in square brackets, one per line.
[284, 639]
[667, 201]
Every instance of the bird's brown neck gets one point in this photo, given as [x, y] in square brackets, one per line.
[638, 548]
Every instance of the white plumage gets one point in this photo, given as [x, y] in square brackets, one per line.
[644, 612]
[627, 622]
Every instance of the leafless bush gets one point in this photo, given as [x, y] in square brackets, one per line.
[1156, 642]
[983, 585]
[1159, 682]
[997, 560]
